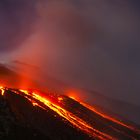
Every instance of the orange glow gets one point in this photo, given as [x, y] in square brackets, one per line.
[25, 91]
[50, 102]
[76, 121]
[72, 97]
[76, 94]
[60, 99]
[35, 104]
[2, 90]
[106, 116]
[73, 94]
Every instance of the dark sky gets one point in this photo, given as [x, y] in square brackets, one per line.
[85, 43]
[15, 22]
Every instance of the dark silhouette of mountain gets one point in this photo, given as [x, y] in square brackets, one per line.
[11, 75]
[19, 119]
[56, 117]
[51, 116]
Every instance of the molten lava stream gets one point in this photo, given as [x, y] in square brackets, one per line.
[39, 100]
[108, 117]
[2, 90]
[76, 121]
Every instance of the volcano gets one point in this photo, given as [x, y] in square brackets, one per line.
[33, 114]
[43, 114]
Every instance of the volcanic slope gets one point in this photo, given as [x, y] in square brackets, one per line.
[36, 115]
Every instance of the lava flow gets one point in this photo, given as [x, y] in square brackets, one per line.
[107, 117]
[52, 102]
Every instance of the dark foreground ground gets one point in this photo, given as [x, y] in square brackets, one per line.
[19, 119]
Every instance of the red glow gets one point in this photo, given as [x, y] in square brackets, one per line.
[53, 102]
[73, 94]
[107, 117]
[2, 90]
[60, 99]
[76, 121]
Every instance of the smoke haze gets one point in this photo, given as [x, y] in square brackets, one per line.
[88, 44]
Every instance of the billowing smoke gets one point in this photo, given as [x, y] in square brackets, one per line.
[88, 44]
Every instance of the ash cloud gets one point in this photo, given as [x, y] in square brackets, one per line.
[90, 44]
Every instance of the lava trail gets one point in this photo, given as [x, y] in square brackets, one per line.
[46, 101]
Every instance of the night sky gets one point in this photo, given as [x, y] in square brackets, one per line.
[93, 44]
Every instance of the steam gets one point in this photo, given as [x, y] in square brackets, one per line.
[85, 45]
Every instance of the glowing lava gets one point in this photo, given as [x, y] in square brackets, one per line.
[2, 90]
[54, 103]
[106, 116]
[76, 121]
